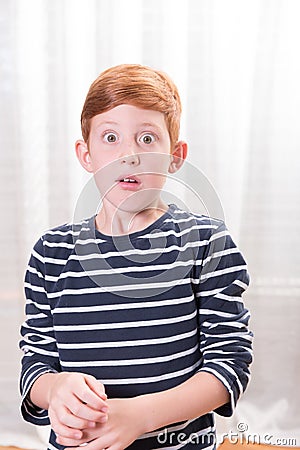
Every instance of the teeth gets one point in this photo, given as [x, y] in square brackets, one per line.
[129, 180]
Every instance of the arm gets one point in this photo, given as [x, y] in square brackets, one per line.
[49, 395]
[40, 354]
[225, 339]
[195, 397]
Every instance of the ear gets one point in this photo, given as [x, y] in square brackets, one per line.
[83, 155]
[178, 156]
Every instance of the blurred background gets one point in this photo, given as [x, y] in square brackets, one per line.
[237, 66]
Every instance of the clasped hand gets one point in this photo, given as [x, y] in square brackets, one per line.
[80, 413]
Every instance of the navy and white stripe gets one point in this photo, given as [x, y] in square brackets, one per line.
[142, 313]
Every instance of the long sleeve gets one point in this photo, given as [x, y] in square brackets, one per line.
[38, 343]
[225, 340]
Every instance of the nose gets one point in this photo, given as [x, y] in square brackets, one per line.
[130, 154]
[131, 160]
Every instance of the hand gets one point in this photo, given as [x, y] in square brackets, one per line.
[124, 425]
[76, 401]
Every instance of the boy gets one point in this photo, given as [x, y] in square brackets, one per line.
[135, 327]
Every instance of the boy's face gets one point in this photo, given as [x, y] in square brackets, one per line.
[129, 154]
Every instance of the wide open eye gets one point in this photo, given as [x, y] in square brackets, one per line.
[110, 137]
[147, 138]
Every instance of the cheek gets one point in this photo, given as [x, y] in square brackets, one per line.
[156, 163]
[155, 180]
[105, 177]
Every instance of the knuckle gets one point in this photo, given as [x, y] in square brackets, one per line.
[83, 394]
[64, 418]
[76, 409]
[62, 440]
[58, 429]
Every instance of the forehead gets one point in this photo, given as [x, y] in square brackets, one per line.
[130, 116]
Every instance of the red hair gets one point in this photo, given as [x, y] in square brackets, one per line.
[135, 85]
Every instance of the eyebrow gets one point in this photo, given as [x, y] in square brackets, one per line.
[110, 122]
[152, 125]
[149, 124]
[143, 124]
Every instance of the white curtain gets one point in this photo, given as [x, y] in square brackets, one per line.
[237, 66]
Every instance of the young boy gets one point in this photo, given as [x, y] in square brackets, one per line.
[135, 327]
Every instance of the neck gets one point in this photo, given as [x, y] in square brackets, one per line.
[115, 222]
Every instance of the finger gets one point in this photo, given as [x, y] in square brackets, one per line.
[97, 444]
[70, 420]
[62, 430]
[84, 411]
[96, 386]
[68, 442]
[84, 397]
[88, 436]
[86, 393]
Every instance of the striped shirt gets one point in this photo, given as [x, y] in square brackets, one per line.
[142, 313]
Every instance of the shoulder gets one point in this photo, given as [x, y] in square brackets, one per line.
[68, 232]
[63, 236]
[187, 220]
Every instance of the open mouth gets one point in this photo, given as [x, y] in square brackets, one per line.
[128, 180]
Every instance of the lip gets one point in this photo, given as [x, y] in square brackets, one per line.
[127, 185]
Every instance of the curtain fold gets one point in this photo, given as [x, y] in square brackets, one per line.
[270, 225]
[237, 67]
